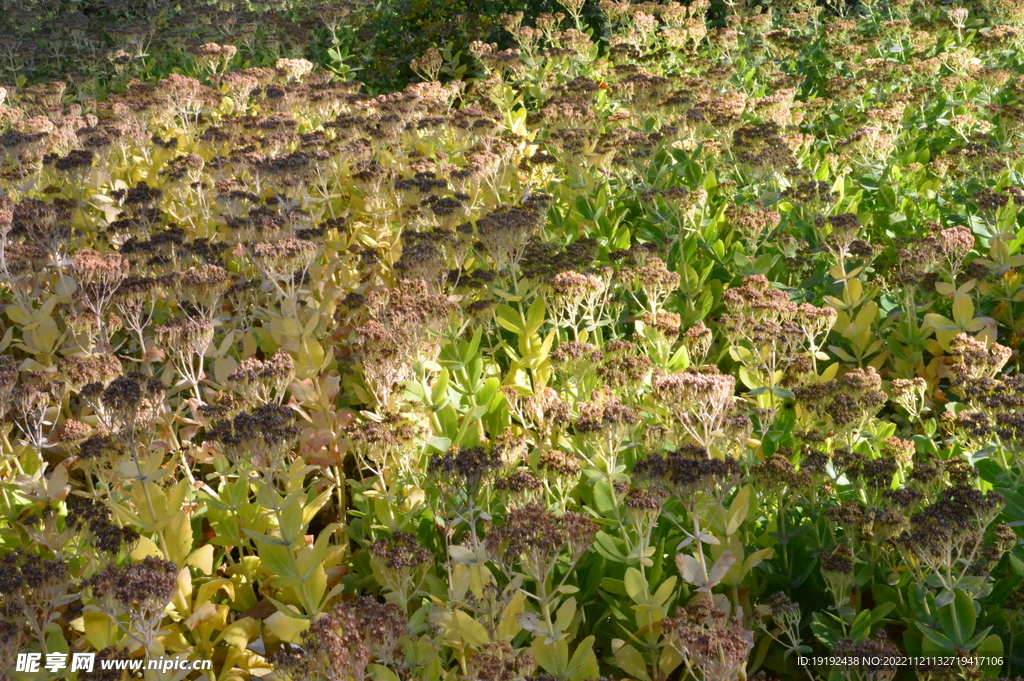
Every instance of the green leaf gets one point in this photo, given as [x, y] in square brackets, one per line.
[945, 597]
[785, 419]
[664, 593]
[613, 586]
[603, 497]
[440, 444]
[279, 560]
[861, 626]
[879, 613]
[1014, 501]
[632, 662]
[535, 316]
[989, 471]
[440, 389]
[636, 586]
[552, 657]
[991, 647]
[609, 547]
[959, 618]
[935, 637]
[564, 616]
[977, 639]
[510, 319]
[583, 665]
[265, 539]
[473, 346]
[825, 631]
[680, 360]
[379, 672]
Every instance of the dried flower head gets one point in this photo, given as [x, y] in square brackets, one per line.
[534, 538]
[697, 402]
[142, 590]
[341, 644]
[718, 652]
[260, 382]
[262, 438]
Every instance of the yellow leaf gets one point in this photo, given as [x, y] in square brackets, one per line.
[55, 486]
[182, 599]
[967, 286]
[460, 582]
[853, 292]
[879, 359]
[240, 632]
[470, 631]
[313, 588]
[202, 559]
[963, 309]
[830, 372]
[173, 639]
[311, 359]
[284, 628]
[98, 629]
[479, 578]
[224, 346]
[867, 315]
[150, 506]
[178, 534]
[834, 302]
[285, 332]
[144, 548]
[738, 510]
[944, 338]
[223, 367]
[583, 664]
[17, 315]
[204, 613]
[509, 625]
[754, 559]
[979, 323]
[509, 319]
[988, 334]
[45, 336]
[208, 589]
[664, 593]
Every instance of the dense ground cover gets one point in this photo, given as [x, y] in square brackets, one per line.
[98, 45]
[661, 351]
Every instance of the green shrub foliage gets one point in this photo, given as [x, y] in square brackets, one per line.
[645, 341]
